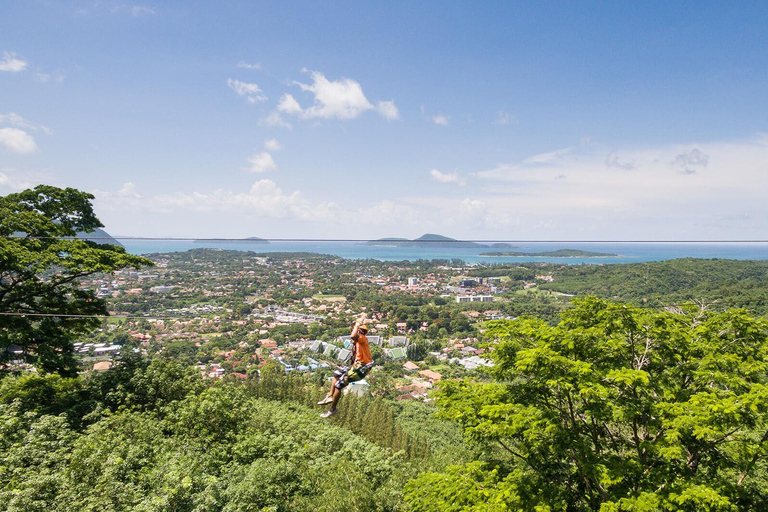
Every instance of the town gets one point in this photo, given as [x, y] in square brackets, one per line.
[234, 313]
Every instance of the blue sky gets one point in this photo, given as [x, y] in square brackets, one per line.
[499, 120]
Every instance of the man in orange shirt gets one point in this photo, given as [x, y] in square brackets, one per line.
[363, 362]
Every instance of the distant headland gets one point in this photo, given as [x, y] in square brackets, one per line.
[432, 240]
[560, 253]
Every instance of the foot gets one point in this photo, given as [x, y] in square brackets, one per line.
[328, 413]
[325, 400]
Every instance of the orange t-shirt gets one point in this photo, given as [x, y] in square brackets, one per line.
[363, 353]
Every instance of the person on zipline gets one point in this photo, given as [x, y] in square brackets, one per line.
[363, 362]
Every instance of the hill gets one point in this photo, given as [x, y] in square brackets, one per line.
[433, 240]
[99, 236]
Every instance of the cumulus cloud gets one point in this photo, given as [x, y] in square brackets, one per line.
[245, 65]
[272, 145]
[252, 92]
[17, 141]
[9, 62]
[274, 119]
[691, 161]
[388, 110]
[613, 161]
[451, 177]
[261, 162]
[334, 99]
[289, 105]
[440, 120]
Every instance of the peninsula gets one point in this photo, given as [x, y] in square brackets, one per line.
[559, 253]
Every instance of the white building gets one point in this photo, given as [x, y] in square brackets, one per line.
[474, 298]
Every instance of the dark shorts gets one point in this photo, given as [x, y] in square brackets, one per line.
[354, 374]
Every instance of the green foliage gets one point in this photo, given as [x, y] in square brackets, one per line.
[618, 409]
[41, 264]
[183, 447]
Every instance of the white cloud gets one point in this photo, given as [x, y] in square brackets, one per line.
[546, 158]
[20, 180]
[261, 162]
[10, 63]
[337, 99]
[263, 199]
[440, 120]
[664, 196]
[340, 99]
[613, 161]
[17, 141]
[16, 120]
[388, 110]
[252, 92]
[452, 177]
[691, 161]
[274, 119]
[245, 65]
[289, 105]
[272, 145]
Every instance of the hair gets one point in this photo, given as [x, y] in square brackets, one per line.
[362, 328]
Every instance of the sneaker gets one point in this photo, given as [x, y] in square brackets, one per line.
[326, 400]
[328, 413]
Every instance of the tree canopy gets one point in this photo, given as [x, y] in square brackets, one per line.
[615, 408]
[41, 264]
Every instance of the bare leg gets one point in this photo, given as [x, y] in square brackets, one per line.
[336, 396]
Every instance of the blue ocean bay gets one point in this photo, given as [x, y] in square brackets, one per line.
[627, 252]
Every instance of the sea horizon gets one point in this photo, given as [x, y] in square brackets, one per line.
[626, 252]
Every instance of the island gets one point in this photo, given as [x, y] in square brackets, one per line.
[432, 240]
[559, 253]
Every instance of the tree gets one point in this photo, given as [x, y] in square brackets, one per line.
[615, 408]
[41, 268]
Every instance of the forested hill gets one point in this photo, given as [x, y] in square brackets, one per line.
[732, 282]
[153, 435]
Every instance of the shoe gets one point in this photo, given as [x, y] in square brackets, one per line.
[326, 400]
[328, 413]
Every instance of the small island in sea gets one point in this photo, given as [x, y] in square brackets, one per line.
[432, 240]
[249, 240]
[559, 253]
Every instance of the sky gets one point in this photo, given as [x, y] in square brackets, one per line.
[490, 120]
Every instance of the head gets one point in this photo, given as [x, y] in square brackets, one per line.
[362, 329]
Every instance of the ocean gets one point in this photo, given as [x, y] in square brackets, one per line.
[627, 252]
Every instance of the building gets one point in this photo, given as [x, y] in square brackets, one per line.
[474, 298]
[396, 353]
[413, 281]
[398, 341]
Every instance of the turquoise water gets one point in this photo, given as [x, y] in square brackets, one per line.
[627, 252]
